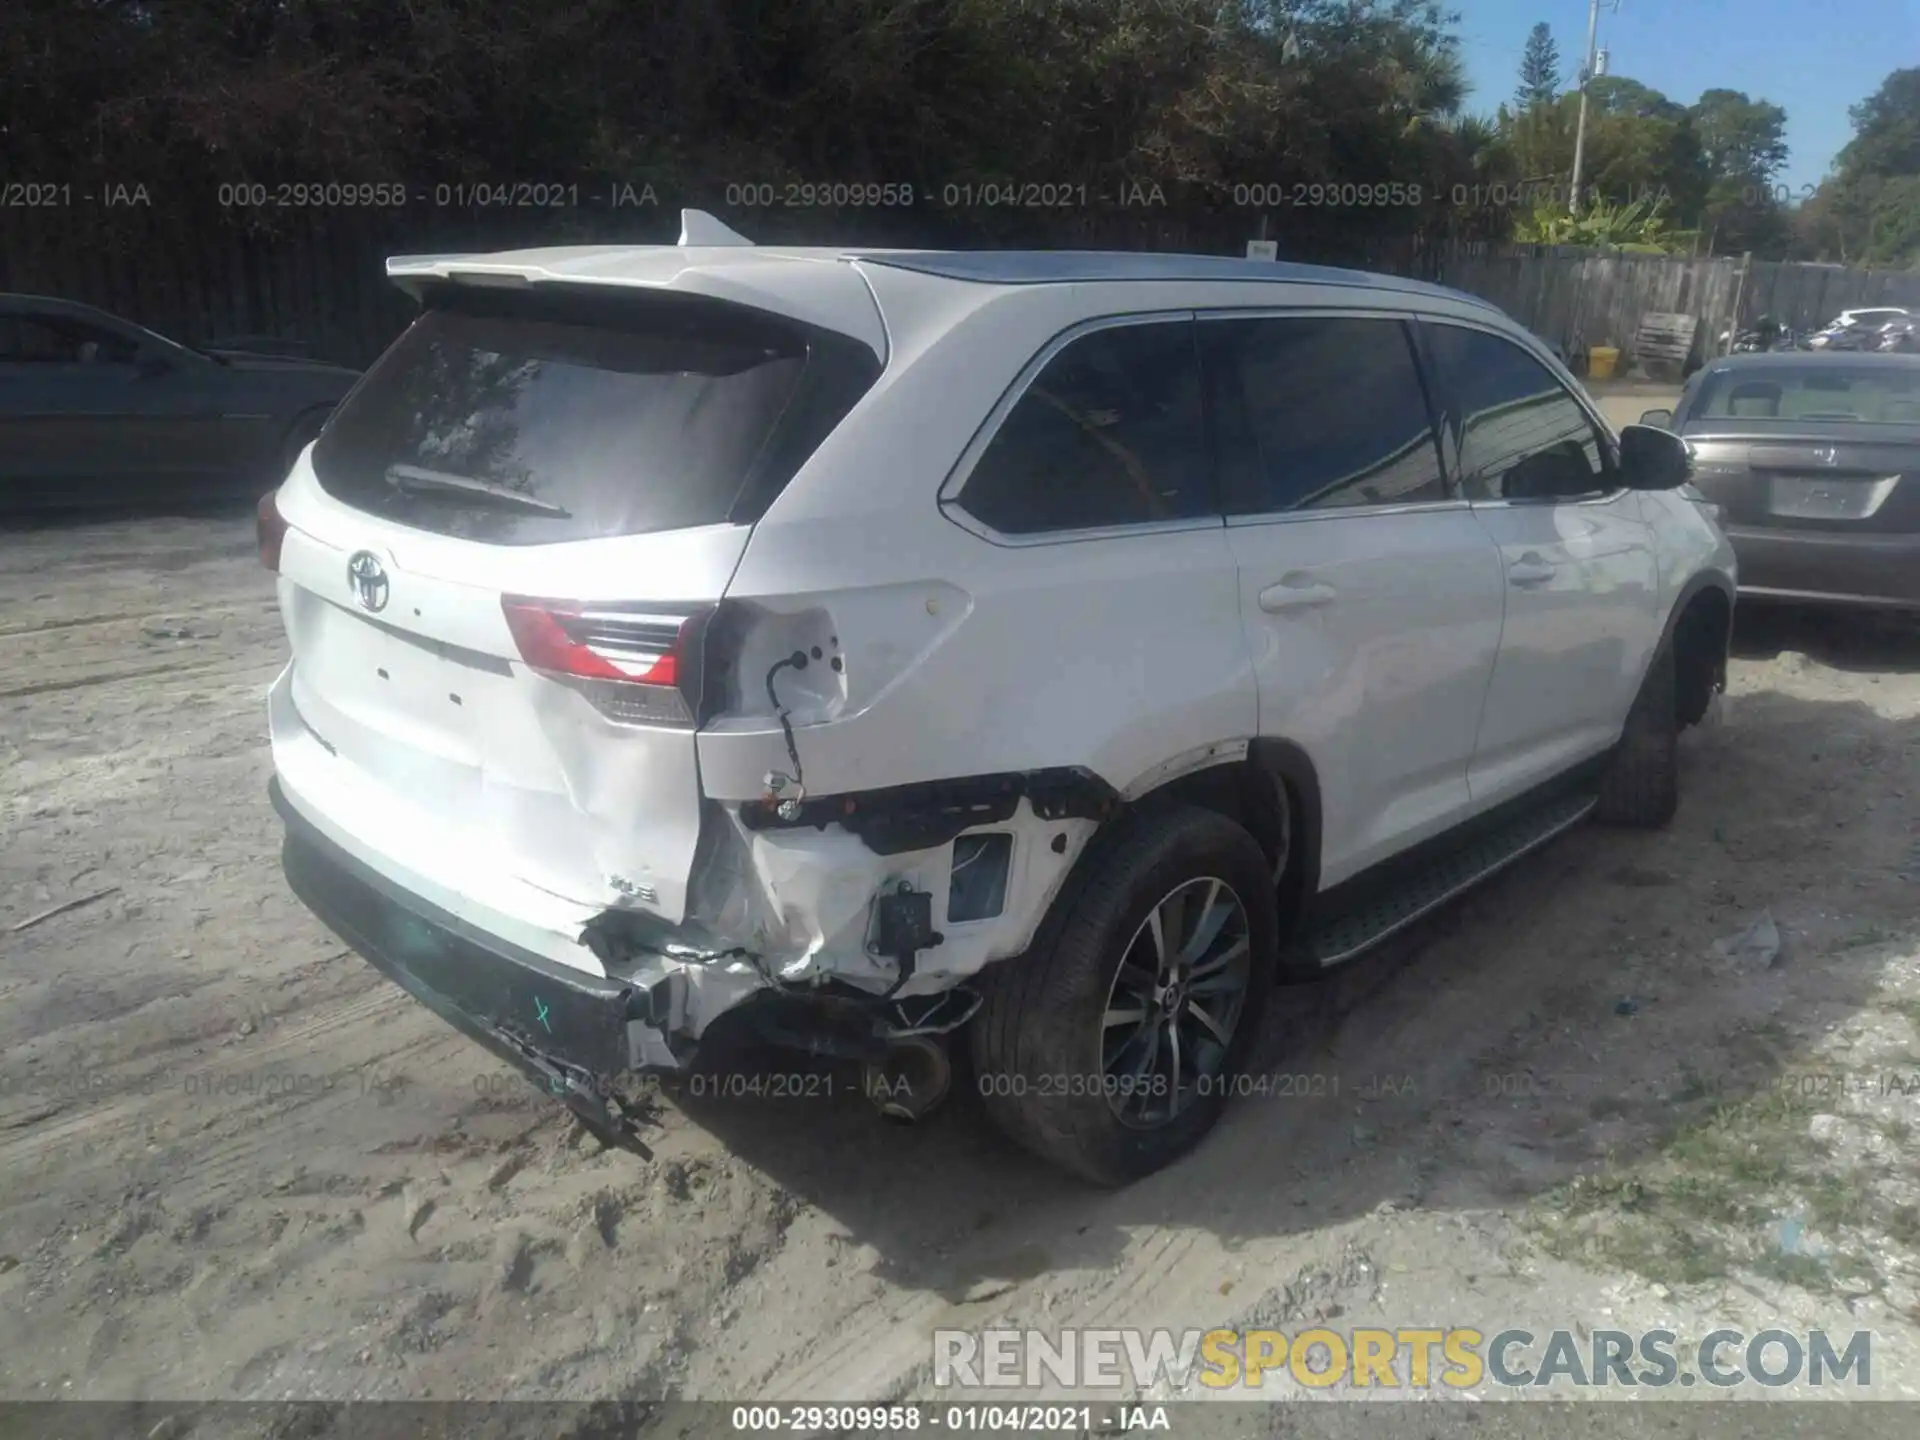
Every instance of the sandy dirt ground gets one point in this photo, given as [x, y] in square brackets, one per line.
[1639, 1080]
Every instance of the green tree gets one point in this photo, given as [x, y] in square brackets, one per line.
[1868, 210]
[1886, 129]
[1640, 226]
[1539, 70]
[1741, 138]
[1541, 140]
[1640, 145]
[1743, 143]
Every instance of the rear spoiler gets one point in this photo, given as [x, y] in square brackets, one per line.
[699, 263]
[697, 228]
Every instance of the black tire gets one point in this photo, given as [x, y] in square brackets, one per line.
[1037, 1043]
[1641, 784]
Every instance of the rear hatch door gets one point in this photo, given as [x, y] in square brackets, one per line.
[502, 555]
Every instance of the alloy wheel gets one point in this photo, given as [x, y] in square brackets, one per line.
[1175, 1003]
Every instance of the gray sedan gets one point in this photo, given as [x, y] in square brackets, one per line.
[1815, 463]
[97, 411]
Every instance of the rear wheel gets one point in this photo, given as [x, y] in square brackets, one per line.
[1111, 1047]
[1641, 784]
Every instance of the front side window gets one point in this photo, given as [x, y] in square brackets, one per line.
[1319, 413]
[60, 341]
[1109, 433]
[1522, 435]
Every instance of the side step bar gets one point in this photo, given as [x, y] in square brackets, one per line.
[1443, 877]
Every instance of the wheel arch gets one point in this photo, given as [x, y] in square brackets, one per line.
[1273, 792]
[1699, 629]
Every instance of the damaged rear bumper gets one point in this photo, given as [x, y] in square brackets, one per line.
[844, 929]
[578, 1036]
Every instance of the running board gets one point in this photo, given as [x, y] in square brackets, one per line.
[1448, 875]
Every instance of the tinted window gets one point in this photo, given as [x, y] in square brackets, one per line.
[1522, 436]
[1827, 390]
[610, 415]
[1109, 433]
[1319, 413]
[60, 342]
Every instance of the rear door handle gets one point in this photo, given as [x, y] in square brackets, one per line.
[1529, 570]
[1295, 592]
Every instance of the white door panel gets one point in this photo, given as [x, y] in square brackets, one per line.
[1577, 563]
[1371, 597]
[1582, 607]
[1373, 637]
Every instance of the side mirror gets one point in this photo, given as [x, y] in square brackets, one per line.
[1659, 419]
[1653, 459]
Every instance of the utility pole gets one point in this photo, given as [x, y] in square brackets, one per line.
[1586, 75]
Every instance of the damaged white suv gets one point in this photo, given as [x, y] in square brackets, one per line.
[878, 648]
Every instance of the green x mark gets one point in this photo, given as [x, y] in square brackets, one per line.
[540, 1014]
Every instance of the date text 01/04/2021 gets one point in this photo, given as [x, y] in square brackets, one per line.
[961, 1419]
[1283, 1086]
[954, 195]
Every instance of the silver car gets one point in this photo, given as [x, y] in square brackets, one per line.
[1814, 461]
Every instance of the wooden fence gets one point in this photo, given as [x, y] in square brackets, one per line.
[317, 281]
[1582, 298]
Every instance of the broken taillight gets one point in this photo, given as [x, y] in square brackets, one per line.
[637, 666]
[270, 527]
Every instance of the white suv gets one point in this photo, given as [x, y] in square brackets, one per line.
[877, 647]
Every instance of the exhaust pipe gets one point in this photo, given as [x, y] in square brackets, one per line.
[908, 1083]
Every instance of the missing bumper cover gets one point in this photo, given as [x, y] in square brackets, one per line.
[922, 816]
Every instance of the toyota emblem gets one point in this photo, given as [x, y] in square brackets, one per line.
[1827, 455]
[368, 579]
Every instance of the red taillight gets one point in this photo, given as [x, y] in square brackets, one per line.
[271, 528]
[636, 665]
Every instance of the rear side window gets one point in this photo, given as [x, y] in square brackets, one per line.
[1109, 433]
[1319, 413]
[61, 341]
[525, 418]
[1825, 390]
[1522, 435]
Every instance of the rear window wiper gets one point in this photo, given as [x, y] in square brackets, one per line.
[417, 479]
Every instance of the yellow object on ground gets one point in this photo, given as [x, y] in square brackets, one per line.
[1600, 362]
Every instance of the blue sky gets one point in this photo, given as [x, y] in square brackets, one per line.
[1814, 58]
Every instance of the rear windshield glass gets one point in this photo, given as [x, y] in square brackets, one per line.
[1819, 392]
[526, 418]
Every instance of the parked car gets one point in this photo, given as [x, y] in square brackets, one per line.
[1815, 463]
[871, 648]
[95, 410]
[1857, 330]
[1872, 315]
[1899, 337]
